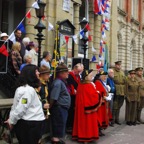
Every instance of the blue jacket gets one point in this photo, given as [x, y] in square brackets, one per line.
[110, 82]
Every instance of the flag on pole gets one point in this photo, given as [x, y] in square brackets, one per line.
[35, 5]
[3, 50]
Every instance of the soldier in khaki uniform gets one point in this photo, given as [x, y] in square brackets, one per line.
[119, 80]
[140, 79]
[132, 97]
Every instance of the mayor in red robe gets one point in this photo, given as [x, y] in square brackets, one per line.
[85, 127]
[103, 112]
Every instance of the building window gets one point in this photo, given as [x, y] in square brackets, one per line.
[11, 15]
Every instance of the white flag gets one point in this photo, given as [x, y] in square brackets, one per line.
[35, 5]
[50, 26]
[75, 38]
[93, 49]
[12, 37]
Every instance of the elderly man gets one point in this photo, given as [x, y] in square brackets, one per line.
[119, 80]
[73, 80]
[110, 82]
[46, 59]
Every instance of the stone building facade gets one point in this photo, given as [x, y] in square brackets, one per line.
[125, 39]
[130, 36]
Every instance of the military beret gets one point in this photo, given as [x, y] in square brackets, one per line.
[86, 73]
[131, 72]
[118, 62]
[139, 69]
[103, 73]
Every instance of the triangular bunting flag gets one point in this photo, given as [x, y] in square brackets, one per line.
[93, 49]
[21, 27]
[28, 15]
[12, 37]
[93, 58]
[3, 50]
[75, 38]
[87, 27]
[50, 26]
[89, 38]
[35, 5]
[67, 39]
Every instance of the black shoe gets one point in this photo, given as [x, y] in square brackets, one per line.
[134, 123]
[111, 124]
[129, 123]
[101, 134]
[117, 122]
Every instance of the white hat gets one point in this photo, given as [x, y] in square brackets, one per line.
[4, 35]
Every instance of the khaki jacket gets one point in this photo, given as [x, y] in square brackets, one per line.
[119, 80]
[141, 85]
[132, 90]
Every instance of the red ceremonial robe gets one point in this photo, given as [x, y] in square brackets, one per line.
[103, 114]
[85, 127]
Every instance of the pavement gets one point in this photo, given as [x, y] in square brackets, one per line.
[119, 134]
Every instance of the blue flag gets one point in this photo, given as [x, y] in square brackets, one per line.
[21, 28]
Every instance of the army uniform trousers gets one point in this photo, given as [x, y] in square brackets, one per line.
[117, 104]
[131, 111]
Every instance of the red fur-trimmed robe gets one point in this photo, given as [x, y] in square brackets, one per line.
[103, 112]
[85, 127]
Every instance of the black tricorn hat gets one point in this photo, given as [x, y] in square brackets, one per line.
[86, 73]
[139, 69]
[131, 72]
[103, 73]
[61, 68]
[118, 62]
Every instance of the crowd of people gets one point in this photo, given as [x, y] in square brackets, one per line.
[76, 101]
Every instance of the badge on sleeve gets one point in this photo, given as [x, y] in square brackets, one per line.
[24, 101]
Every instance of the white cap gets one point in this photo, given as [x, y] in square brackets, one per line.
[4, 35]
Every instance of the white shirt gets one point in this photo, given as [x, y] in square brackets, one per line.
[45, 63]
[26, 105]
[34, 55]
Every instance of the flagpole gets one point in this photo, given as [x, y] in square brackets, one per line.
[55, 51]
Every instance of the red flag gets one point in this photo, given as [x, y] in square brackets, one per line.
[87, 27]
[89, 38]
[96, 7]
[3, 50]
[67, 39]
[28, 15]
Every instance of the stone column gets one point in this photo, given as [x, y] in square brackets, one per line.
[77, 26]
[113, 48]
[30, 23]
